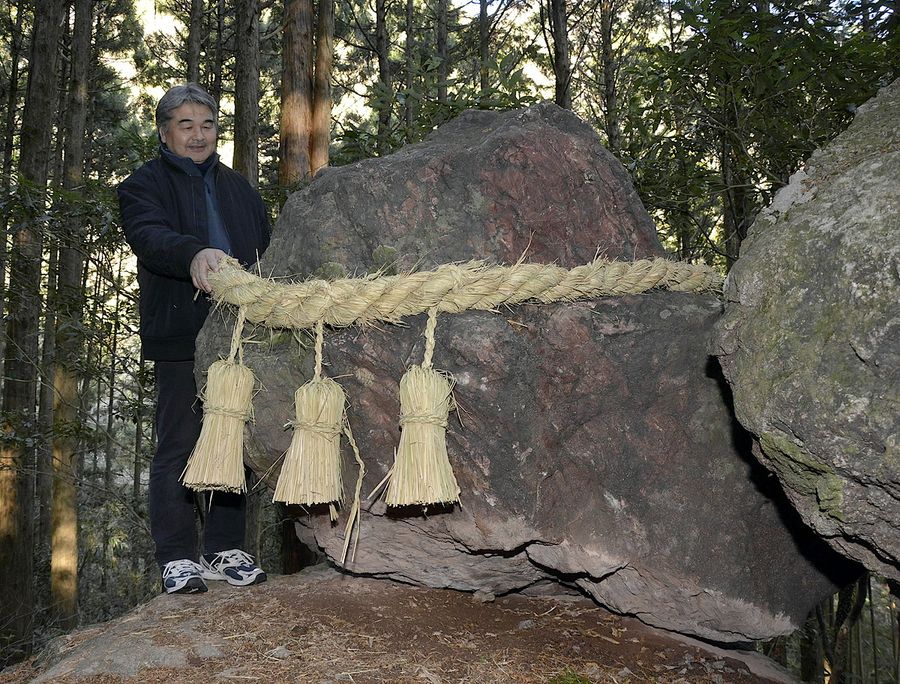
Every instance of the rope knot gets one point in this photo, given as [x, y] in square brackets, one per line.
[215, 409]
[320, 428]
[424, 418]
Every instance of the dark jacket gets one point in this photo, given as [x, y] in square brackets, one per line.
[163, 207]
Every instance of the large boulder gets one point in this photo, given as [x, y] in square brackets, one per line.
[810, 341]
[594, 442]
[482, 186]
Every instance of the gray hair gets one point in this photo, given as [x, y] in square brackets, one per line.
[179, 95]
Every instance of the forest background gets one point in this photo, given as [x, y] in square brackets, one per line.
[709, 104]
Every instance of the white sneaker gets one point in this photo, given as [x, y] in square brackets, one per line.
[234, 566]
[182, 577]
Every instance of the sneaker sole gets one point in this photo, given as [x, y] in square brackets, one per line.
[193, 586]
[218, 577]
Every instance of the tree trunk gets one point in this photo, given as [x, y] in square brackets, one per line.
[70, 297]
[109, 441]
[138, 465]
[12, 102]
[215, 88]
[736, 212]
[321, 115]
[20, 376]
[409, 47]
[12, 97]
[610, 68]
[195, 33]
[44, 469]
[441, 20]
[876, 671]
[43, 472]
[484, 47]
[246, 91]
[811, 653]
[385, 87]
[562, 70]
[296, 92]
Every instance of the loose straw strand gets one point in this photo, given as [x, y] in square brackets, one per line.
[354, 518]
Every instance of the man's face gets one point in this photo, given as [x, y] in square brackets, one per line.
[191, 132]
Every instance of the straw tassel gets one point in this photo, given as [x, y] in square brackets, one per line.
[217, 461]
[311, 472]
[422, 474]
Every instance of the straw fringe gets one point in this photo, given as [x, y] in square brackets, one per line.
[311, 472]
[422, 474]
[217, 461]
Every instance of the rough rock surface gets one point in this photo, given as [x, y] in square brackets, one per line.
[484, 185]
[811, 338]
[594, 442]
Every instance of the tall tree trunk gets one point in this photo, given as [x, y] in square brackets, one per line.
[43, 473]
[610, 67]
[215, 89]
[9, 134]
[12, 95]
[484, 47]
[409, 76]
[736, 205]
[811, 654]
[195, 34]
[562, 69]
[109, 442]
[20, 372]
[296, 92]
[70, 297]
[137, 497]
[246, 91]
[385, 87]
[441, 19]
[44, 469]
[321, 114]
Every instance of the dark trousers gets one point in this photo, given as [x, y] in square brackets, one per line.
[173, 510]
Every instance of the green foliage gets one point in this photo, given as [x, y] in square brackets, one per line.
[735, 98]
[356, 135]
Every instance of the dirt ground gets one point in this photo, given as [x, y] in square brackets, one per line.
[321, 627]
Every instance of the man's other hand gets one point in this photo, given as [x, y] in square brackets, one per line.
[204, 261]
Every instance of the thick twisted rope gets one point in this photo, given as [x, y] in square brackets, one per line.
[450, 288]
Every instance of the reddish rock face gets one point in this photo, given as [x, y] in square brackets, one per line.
[485, 186]
[594, 444]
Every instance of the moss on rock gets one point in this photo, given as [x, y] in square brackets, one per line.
[802, 472]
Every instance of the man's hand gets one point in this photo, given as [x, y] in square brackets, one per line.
[204, 261]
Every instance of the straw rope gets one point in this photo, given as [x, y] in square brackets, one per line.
[450, 288]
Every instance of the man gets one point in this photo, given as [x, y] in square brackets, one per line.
[181, 213]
